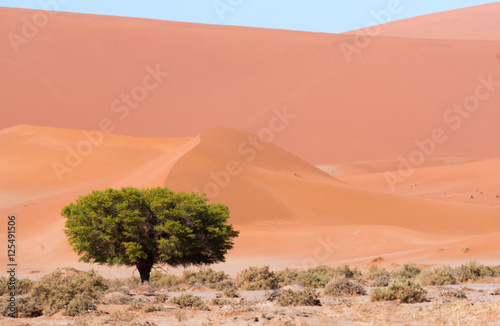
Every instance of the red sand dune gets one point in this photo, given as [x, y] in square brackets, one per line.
[74, 71]
[473, 23]
[279, 201]
[454, 180]
[412, 98]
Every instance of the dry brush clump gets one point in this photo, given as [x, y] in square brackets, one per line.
[438, 276]
[204, 277]
[379, 276]
[316, 277]
[165, 281]
[454, 293]
[189, 301]
[408, 271]
[74, 292]
[254, 278]
[288, 297]
[341, 287]
[403, 291]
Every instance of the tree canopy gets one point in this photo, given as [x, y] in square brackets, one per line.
[147, 227]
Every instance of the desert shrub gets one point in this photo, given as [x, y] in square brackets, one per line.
[490, 271]
[152, 308]
[313, 280]
[162, 298]
[138, 302]
[221, 286]
[288, 276]
[496, 292]
[23, 286]
[404, 291]
[344, 271]
[229, 292]
[26, 307]
[79, 305]
[254, 278]
[341, 286]
[273, 294]
[166, 281]
[189, 301]
[379, 276]
[289, 297]
[220, 302]
[205, 276]
[56, 291]
[319, 276]
[437, 276]
[456, 293]
[375, 272]
[408, 271]
[471, 271]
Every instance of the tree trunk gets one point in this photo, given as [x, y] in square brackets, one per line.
[144, 269]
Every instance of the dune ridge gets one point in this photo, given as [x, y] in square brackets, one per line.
[471, 23]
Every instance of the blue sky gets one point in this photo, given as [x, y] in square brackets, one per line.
[330, 16]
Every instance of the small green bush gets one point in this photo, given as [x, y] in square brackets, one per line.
[341, 286]
[289, 297]
[254, 278]
[189, 301]
[404, 291]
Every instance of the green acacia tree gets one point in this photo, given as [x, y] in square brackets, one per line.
[147, 227]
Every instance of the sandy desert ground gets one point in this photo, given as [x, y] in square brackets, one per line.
[327, 148]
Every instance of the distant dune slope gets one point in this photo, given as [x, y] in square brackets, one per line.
[472, 23]
[341, 99]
